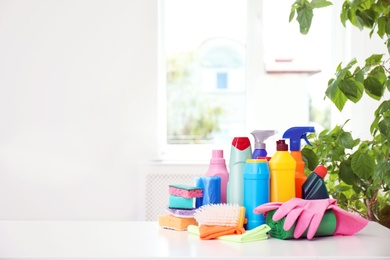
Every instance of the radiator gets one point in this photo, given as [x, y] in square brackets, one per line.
[154, 180]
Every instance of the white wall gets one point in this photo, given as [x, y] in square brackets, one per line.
[78, 102]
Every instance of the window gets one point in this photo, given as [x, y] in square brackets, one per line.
[228, 66]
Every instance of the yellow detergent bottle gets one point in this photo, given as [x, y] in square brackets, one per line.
[282, 167]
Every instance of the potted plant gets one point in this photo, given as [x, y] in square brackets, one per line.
[358, 170]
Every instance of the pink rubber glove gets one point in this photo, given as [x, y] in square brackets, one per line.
[264, 208]
[347, 224]
[306, 213]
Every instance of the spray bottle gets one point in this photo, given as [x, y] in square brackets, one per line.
[217, 167]
[240, 151]
[282, 166]
[295, 134]
[260, 137]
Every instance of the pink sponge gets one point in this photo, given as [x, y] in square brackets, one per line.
[185, 191]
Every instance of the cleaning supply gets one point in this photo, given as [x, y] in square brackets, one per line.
[221, 214]
[216, 220]
[217, 167]
[181, 213]
[282, 166]
[211, 190]
[256, 190]
[314, 187]
[259, 148]
[307, 215]
[256, 234]
[295, 134]
[169, 221]
[327, 226]
[176, 202]
[185, 191]
[240, 151]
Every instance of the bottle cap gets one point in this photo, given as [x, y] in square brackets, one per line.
[281, 145]
[217, 157]
[321, 171]
[217, 154]
[241, 143]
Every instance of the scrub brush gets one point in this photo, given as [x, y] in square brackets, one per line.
[226, 215]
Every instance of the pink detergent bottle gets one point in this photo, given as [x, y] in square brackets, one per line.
[217, 167]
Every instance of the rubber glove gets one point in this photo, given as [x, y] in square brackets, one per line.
[347, 224]
[264, 208]
[307, 214]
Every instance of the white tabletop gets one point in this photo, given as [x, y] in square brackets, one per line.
[126, 239]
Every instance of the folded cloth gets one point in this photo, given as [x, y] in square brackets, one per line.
[326, 228]
[256, 234]
[207, 232]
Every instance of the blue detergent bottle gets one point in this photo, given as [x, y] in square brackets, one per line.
[256, 190]
[259, 147]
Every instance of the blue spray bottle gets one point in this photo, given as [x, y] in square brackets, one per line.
[295, 134]
[260, 137]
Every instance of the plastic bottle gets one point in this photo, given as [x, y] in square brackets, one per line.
[256, 190]
[314, 187]
[260, 137]
[295, 134]
[282, 166]
[217, 167]
[240, 151]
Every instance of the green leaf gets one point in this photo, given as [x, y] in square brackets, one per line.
[373, 87]
[351, 63]
[359, 22]
[305, 16]
[374, 59]
[352, 89]
[367, 17]
[363, 164]
[310, 158]
[382, 24]
[335, 95]
[384, 127]
[320, 3]
[346, 174]
[383, 108]
[382, 172]
[346, 140]
[359, 74]
[344, 13]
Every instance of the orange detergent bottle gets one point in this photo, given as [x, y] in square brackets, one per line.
[282, 168]
[295, 134]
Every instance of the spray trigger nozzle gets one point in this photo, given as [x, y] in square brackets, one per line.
[304, 137]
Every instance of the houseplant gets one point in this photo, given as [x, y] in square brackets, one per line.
[358, 170]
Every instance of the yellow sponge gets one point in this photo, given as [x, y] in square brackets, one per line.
[171, 222]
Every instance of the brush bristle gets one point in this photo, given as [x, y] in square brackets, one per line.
[219, 215]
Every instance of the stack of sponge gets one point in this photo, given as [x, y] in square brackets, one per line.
[180, 207]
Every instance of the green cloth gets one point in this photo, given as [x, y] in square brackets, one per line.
[258, 233]
[327, 226]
